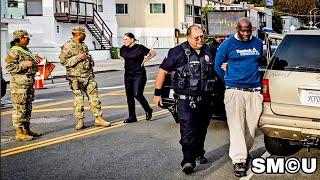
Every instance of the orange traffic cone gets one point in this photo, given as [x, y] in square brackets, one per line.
[38, 81]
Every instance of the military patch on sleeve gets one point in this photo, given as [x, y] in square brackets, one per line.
[13, 54]
[65, 50]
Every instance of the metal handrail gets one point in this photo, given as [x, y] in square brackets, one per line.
[98, 21]
[102, 23]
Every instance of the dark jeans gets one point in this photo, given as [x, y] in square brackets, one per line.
[193, 129]
[134, 84]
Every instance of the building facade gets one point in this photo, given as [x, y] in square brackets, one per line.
[51, 22]
[163, 23]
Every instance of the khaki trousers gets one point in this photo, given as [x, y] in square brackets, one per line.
[243, 110]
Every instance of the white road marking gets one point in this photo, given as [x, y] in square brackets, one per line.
[249, 172]
[49, 85]
[8, 103]
[114, 87]
[54, 84]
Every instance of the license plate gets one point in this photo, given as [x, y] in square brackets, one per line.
[171, 94]
[310, 98]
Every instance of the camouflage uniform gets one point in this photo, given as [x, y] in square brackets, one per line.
[80, 75]
[21, 83]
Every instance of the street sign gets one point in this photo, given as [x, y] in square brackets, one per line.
[310, 23]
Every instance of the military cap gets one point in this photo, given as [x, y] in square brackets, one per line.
[78, 29]
[20, 33]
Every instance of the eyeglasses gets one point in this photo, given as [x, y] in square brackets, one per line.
[197, 38]
[242, 31]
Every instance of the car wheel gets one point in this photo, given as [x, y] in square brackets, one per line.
[280, 147]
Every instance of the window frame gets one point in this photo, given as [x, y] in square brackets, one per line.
[14, 2]
[163, 8]
[125, 9]
[189, 10]
[26, 8]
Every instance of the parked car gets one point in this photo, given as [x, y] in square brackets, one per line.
[291, 91]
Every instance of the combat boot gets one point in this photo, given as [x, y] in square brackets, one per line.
[101, 122]
[29, 132]
[20, 136]
[80, 124]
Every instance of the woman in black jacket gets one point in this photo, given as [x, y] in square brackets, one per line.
[135, 78]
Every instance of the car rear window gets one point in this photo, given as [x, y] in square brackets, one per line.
[297, 53]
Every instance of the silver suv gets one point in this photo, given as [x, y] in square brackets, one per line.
[291, 91]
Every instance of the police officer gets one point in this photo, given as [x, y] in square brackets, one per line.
[22, 65]
[193, 77]
[79, 66]
[135, 77]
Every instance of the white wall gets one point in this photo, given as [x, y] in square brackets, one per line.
[109, 17]
[42, 29]
[48, 7]
[151, 37]
[4, 42]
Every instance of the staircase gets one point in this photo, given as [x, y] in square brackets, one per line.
[86, 13]
[100, 30]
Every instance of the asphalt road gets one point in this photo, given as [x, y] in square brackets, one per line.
[142, 150]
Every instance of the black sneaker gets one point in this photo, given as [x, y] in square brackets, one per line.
[187, 168]
[149, 114]
[240, 169]
[130, 120]
[201, 160]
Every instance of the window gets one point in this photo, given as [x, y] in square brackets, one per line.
[99, 5]
[197, 20]
[188, 10]
[288, 55]
[197, 11]
[197, 15]
[34, 7]
[12, 4]
[122, 8]
[157, 8]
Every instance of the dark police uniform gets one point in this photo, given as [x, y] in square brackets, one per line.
[191, 79]
[135, 77]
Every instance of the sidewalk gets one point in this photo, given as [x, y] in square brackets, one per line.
[100, 66]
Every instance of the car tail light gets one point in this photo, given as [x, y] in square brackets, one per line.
[265, 90]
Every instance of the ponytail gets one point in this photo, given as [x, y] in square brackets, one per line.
[14, 42]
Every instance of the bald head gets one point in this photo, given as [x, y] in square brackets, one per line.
[195, 37]
[193, 28]
[244, 23]
[244, 29]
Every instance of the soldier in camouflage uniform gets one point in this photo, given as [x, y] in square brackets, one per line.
[79, 66]
[22, 66]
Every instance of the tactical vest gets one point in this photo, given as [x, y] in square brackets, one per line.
[197, 77]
